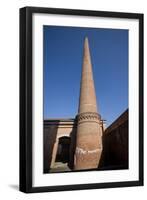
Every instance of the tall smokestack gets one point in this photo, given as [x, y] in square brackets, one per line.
[89, 130]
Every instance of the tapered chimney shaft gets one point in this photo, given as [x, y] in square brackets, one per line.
[87, 102]
[89, 129]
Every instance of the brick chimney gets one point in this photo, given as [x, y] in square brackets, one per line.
[89, 130]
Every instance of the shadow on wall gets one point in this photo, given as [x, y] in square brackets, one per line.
[115, 145]
[72, 145]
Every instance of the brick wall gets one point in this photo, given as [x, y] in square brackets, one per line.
[115, 144]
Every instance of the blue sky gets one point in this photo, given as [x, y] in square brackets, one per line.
[63, 53]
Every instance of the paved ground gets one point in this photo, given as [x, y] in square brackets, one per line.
[60, 167]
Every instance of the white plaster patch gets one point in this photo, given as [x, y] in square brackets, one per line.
[82, 151]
